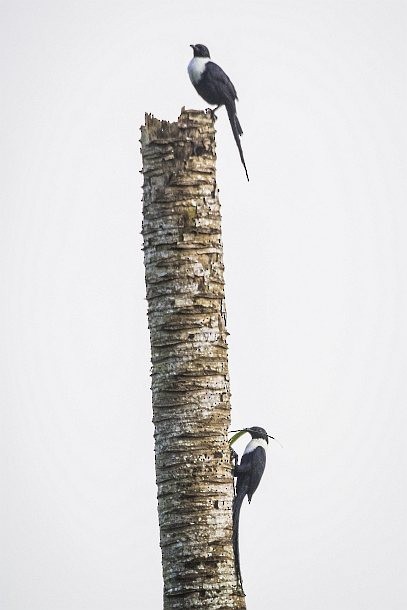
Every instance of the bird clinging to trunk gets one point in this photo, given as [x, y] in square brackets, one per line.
[248, 475]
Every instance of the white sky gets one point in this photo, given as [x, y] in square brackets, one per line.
[315, 253]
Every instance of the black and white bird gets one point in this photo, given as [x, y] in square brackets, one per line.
[215, 87]
[248, 474]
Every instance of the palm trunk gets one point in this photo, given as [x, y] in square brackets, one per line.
[190, 382]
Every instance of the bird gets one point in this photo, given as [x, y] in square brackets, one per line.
[248, 475]
[215, 87]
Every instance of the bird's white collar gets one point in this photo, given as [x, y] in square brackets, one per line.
[254, 443]
[196, 68]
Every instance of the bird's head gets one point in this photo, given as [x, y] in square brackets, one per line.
[200, 50]
[257, 432]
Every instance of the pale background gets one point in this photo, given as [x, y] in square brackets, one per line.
[315, 253]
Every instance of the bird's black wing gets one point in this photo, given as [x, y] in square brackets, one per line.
[243, 475]
[258, 466]
[216, 84]
[215, 87]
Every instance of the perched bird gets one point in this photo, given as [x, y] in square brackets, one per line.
[215, 87]
[248, 474]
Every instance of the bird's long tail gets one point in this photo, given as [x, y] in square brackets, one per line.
[237, 504]
[237, 132]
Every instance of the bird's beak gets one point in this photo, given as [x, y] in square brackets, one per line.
[192, 46]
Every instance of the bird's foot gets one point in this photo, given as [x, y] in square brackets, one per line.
[211, 111]
[234, 458]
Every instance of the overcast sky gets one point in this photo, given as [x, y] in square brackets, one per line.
[316, 287]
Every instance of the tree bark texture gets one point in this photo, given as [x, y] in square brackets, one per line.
[190, 381]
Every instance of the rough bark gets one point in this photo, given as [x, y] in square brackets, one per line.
[190, 381]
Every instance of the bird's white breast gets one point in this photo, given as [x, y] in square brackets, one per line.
[196, 68]
[254, 443]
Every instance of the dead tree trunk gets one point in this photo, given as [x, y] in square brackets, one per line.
[190, 382]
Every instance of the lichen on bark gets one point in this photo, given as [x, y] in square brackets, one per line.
[190, 380]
